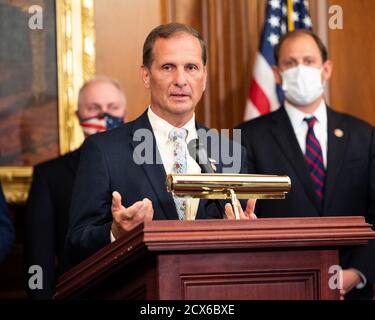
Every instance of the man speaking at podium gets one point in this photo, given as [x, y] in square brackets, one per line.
[113, 191]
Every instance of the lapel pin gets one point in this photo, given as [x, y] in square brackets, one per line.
[338, 133]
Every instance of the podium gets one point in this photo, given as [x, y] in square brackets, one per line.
[275, 258]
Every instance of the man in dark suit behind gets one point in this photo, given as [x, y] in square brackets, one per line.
[128, 166]
[330, 158]
[101, 106]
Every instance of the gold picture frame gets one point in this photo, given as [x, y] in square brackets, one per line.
[75, 37]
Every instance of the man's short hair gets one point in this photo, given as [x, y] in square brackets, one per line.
[297, 33]
[104, 79]
[167, 31]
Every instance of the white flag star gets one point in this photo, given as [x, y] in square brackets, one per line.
[273, 39]
[295, 16]
[275, 4]
[274, 21]
[307, 21]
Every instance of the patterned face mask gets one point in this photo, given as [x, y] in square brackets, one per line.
[100, 123]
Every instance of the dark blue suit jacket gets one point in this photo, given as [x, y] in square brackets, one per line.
[107, 165]
[272, 148]
[6, 228]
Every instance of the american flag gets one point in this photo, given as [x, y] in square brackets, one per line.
[281, 16]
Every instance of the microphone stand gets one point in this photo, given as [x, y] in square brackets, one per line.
[230, 193]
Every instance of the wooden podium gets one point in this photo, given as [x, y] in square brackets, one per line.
[284, 258]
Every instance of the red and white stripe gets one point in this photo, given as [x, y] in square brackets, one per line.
[94, 125]
[262, 97]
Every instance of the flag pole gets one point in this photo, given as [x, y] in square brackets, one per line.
[290, 16]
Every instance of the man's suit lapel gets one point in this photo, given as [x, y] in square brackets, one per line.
[284, 135]
[338, 134]
[155, 172]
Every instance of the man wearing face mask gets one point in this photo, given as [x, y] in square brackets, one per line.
[101, 107]
[329, 156]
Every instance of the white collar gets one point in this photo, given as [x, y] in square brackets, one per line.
[162, 127]
[296, 116]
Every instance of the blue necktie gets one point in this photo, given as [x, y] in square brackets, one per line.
[314, 159]
[178, 137]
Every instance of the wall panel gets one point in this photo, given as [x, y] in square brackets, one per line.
[352, 50]
[121, 28]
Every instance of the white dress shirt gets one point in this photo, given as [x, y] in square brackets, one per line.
[161, 129]
[300, 127]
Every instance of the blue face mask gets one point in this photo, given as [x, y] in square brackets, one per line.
[100, 123]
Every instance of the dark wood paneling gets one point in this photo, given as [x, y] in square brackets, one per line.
[254, 275]
[215, 259]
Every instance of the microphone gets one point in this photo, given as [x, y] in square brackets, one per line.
[199, 153]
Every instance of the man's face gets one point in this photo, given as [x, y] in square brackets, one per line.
[177, 77]
[301, 50]
[101, 97]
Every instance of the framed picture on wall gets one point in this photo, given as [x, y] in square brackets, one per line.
[46, 52]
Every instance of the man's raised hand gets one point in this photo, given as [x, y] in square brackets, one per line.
[125, 219]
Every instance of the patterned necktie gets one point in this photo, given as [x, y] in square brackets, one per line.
[314, 159]
[178, 137]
